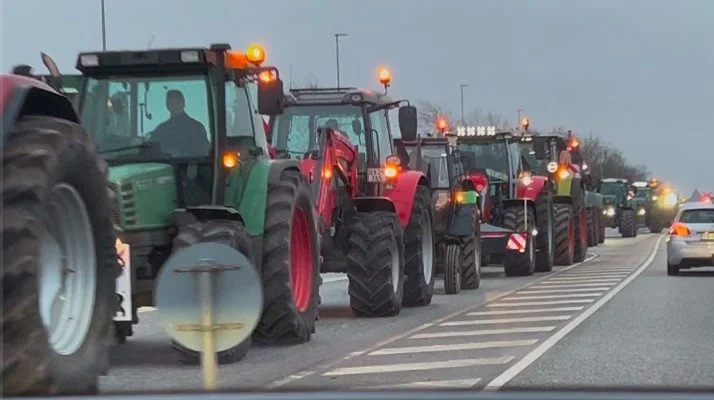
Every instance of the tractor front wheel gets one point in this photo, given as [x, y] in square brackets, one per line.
[227, 232]
[291, 262]
[516, 263]
[419, 250]
[471, 267]
[375, 264]
[59, 260]
[546, 247]
[564, 234]
[628, 223]
[453, 265]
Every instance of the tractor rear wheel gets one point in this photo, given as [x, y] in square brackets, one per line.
[564, 234]
[290, 268]
[628, 226]
[419, 250]
[471, 256]
[59, 260]
[516, 263]
[453, 265]
[592, 228]
[375, 264]
[544, 221]
[228, 232]
[581, 229]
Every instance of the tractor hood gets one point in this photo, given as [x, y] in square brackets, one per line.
[609, 199]
[145, 195]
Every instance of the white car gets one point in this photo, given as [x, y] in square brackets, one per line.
[690, 242]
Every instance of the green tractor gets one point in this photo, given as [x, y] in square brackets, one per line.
[619, 206]
[664, 206]
[642, 204]
[182, 132]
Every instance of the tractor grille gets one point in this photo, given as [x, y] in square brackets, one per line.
[123, 204]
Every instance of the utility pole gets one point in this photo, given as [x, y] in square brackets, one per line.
[104, 29]
[462, 86]
[337, 54]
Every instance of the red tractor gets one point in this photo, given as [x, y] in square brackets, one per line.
[59, 258]
[375, 218]
[516, 203]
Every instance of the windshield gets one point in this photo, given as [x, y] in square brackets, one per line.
[148, 116]
[492, 156]
[294, 133]
[643, 193]
[613, 189]
[529, 161]
[434, 161]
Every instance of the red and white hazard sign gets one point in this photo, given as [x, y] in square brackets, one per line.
[517, 241]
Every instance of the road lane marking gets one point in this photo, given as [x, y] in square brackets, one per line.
[602, 289]
[540, 303]
[453, 347]
[418, 366]
[569, 285]
[553, 296]
[146, 309]
[525, 311]
[450, 383]
[582, 280]
[481, 332]
[599, 270]
[329, 364]
[593, 276]
[505, 320]
[519, 366]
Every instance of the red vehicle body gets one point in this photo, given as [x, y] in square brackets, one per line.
[355, 175]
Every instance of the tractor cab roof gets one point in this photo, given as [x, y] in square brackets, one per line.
[339, 96]
[613, 180]
[485, 135]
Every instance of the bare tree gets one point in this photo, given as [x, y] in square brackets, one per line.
[427, 115]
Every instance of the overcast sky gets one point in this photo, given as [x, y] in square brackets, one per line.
[638, 73]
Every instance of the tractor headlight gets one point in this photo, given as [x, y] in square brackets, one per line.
[641, 211]
[610, 211]
[670, 200]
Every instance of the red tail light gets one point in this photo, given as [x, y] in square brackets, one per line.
[479, 188]
[679, 229]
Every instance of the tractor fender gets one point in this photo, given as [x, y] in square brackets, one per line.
[22, 95]
[402, 195]
[369, 204]
[464, 220]
[560, 199]
[206, 213]
[519, 203]
[531, 191]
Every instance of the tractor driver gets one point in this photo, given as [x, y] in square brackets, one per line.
[181, 135]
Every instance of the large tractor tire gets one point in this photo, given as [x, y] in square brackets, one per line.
[453, 268]
[419, 250]
[233, 234]
[564, 234]
[592, 228]
[601, 228]
[471, 264]
[375, 264]
[546, 244]
[516, 263]
[628, 223]
[655, 225]
[581, 228]
[59, 260]
[290, 268]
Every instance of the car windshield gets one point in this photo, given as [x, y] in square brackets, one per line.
[698, 216]
[148, 117]
[295, 131]
[435, 162]
[490, 155]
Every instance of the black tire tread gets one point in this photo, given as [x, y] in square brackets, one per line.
[564, 254]
[452, 268]
[544, 213]
[627, 223]
[471, 264]
[417, 292]
[41, 151]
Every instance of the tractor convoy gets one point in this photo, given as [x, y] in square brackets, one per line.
[147, 154]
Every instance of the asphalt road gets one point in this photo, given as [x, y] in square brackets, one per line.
[616, 320]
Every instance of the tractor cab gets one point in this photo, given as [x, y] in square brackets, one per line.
[360, 116]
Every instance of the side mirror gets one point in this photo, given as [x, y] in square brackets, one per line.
[467, 197]
[540, 146]
[271, 99]
[408, 122]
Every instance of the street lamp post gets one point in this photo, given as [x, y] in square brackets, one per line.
[337, 54]
[462, 86]
[518, 121]
[104, 29]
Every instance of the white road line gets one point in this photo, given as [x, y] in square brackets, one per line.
[453, 347]
[514, 370]
[451, 383]
[540, 303]
[581, 280]
[589, 276]
[525, 311]
[553, 296]
[598, 270]
[481, 332]
[418, 366]
[505, 320]
[570, 285]
[146, 309]
[562, 290]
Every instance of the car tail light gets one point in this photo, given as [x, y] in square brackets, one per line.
[679, 229]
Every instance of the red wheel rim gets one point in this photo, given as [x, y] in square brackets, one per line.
[301, 259]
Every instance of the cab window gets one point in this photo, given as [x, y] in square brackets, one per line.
[380, 124]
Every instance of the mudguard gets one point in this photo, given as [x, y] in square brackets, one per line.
[531, 191]
[20, 94]
[561, 199]
[402, 195]
[519, 203]
[369, 204]
[463, 221]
